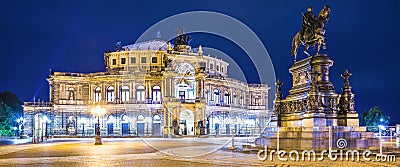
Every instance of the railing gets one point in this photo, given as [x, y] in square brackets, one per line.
[70, 74]
[103, 102]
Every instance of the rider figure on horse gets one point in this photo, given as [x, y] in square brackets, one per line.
[307, 29]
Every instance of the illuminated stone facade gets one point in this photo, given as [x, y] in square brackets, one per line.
[152, 88]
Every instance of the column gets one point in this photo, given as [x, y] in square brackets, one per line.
[148, 88]
[103, 92]
[116, 91]
[172, 86]
[132, 91]
[165, 120]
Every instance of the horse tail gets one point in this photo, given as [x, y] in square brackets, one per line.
[295, 44]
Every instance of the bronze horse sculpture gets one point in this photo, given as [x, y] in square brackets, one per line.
[312, 34]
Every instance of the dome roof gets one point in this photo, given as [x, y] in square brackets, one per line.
[152, 44]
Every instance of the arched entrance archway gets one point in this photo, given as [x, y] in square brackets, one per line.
[140, 125]
[186, 123]
[110, 125]
[216, 122]
[125, 125]
[156, 125]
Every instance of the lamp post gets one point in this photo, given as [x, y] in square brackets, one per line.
[98, 111]
[20, 122]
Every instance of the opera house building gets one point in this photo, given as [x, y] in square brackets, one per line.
[151, 88]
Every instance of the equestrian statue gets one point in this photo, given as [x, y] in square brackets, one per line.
[312, 31]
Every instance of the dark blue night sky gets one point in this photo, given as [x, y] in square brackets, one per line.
[362, 36]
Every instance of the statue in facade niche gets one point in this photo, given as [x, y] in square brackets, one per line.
[166, 61]
[312, 31]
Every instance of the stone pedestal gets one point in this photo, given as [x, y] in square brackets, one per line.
[291, 120]
[314, 120]
[349, 119]
[331, 119]
[312, 100]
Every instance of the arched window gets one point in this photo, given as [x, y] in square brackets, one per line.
[124, 93]
[110, 119]
[125, 119]
[97, 94]
[140, 94]
[156, 94]
[227, 97]
[110, 94]
[156, 118]
[216, 96]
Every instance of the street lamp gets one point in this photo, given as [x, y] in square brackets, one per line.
[20, 122]
[98, 111]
